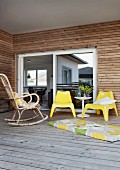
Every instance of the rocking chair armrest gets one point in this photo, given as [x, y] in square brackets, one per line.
[33, 94]
[25, 93]
[30, 95]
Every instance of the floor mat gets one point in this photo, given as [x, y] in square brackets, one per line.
[104, 132]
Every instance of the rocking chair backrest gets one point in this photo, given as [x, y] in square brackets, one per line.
[8, 89]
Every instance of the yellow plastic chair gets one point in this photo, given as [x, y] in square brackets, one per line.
[104, 107]
[62, 100]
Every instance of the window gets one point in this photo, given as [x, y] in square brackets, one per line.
[37, 78]
[66, 75]
[42, 77]
[31, 78]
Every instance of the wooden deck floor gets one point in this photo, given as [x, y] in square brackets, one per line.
[44, 147]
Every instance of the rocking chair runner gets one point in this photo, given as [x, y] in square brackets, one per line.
[18, 108]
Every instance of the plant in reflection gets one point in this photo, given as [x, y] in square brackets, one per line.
[86, 89]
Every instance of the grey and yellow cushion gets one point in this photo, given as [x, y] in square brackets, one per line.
[20, 102]
[105, 101]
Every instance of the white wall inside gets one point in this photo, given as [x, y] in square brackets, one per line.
[41, 63]
[61, 61]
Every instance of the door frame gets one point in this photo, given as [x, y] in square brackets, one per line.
[55, 54]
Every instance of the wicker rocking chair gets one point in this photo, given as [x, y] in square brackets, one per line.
[19, 108]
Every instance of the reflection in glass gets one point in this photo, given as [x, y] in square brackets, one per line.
[31, 80]
[42, 77]
[86, 73]
[66, 75]
[75, 70]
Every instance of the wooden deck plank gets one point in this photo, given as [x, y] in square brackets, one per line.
[72, 143]
[44, 147]
[8, 165]
[55, 159]
[46, 159]
[55, 153]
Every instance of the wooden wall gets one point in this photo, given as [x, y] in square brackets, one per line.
[104, 36]
[7, 59]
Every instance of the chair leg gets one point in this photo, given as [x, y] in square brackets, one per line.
[14, 115]
[73, 111]
[19, 115]
[83, 112]
[35, 113]
[98, 112]
[52, 110]
[105, 114]
[40, 113]
[116, 111]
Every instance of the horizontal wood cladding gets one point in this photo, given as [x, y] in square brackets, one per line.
[6, 37]
[83, 36]
[104, 36]
[7, 59]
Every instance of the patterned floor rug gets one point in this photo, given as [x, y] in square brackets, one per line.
[104, 132]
